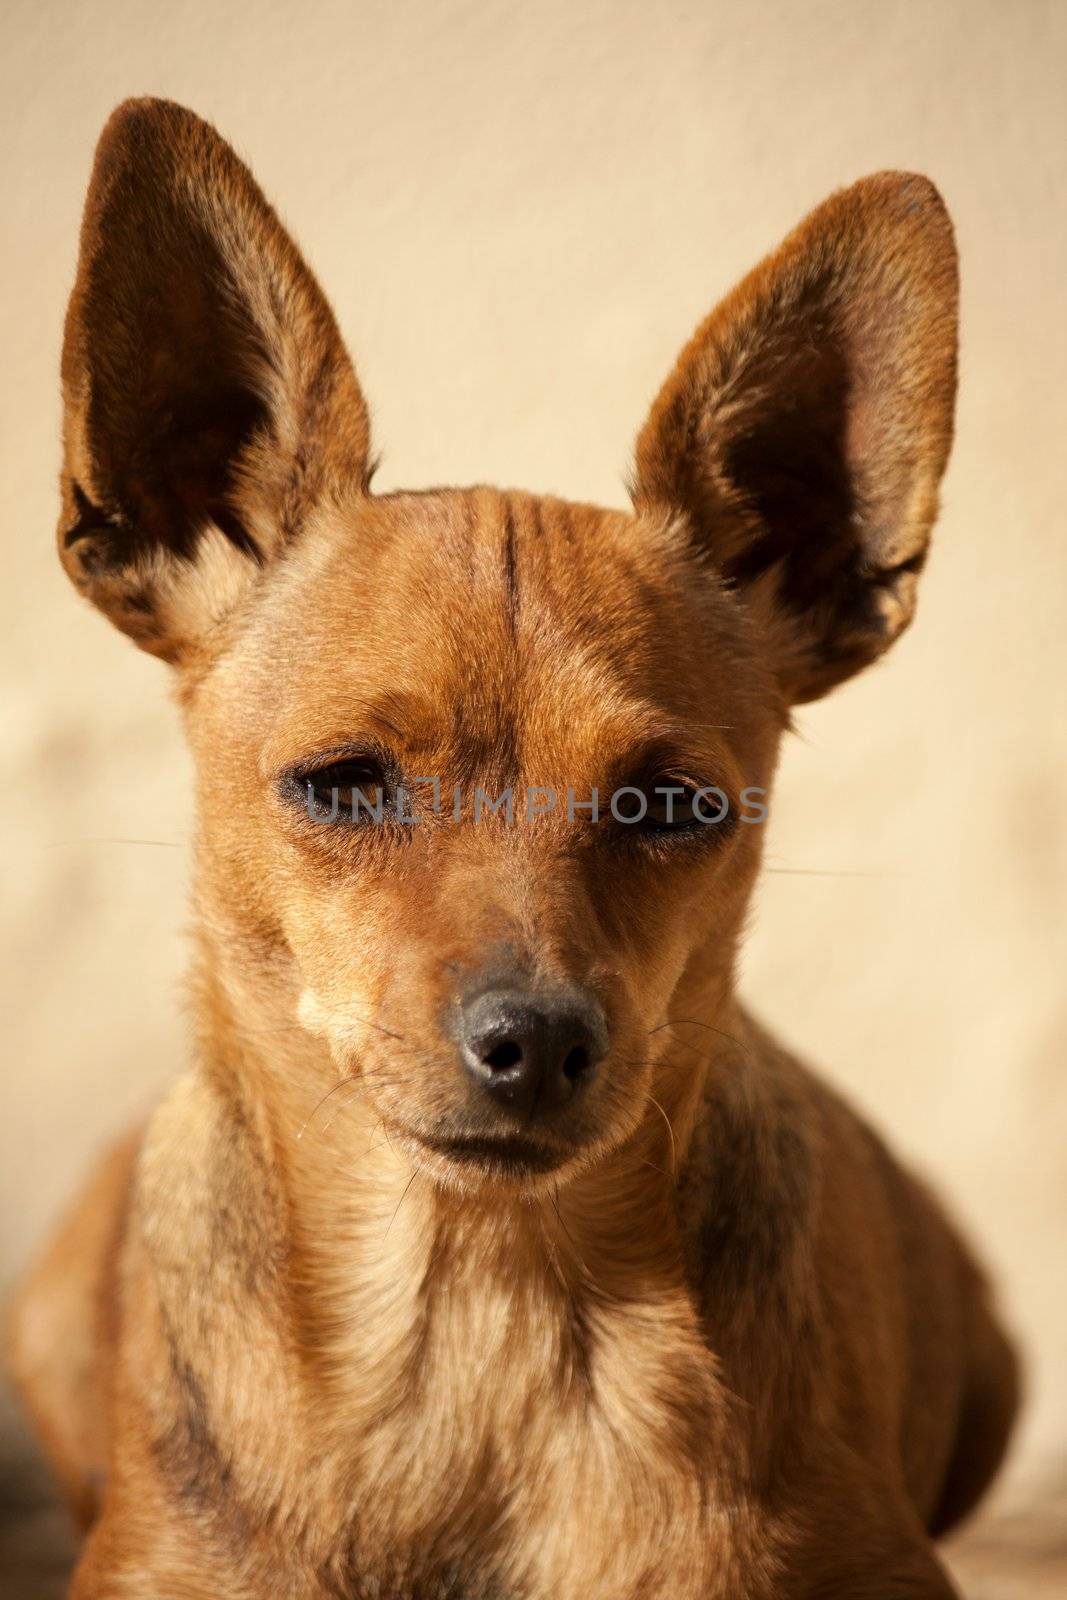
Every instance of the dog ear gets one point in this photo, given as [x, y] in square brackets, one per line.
[209, 400]
[806, 426]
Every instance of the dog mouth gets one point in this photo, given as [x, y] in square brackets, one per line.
[506, 1155]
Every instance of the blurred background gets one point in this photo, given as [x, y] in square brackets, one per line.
[519, 212]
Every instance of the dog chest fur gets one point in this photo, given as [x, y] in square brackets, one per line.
[425, 1387]
[450, 1387]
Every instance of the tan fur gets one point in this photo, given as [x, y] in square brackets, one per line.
[724, 1347]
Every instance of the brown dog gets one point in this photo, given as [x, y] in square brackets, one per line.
[490, 1251]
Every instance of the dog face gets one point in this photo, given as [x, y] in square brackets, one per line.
[452, 646]
[481, 775]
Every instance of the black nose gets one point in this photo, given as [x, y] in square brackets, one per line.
[531, 1052]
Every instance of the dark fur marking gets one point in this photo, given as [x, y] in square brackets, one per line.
[187, 1450]
[238, 535]
[511, 581]
[416, 1575]
[750, 1150]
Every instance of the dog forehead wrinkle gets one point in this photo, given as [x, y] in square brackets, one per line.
[511, 572]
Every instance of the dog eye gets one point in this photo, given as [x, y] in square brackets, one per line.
[662, 805]
[358, 790]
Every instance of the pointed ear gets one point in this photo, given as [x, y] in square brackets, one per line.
[209, 400]
[808, 421]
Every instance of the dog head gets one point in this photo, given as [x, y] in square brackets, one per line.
[481, 773]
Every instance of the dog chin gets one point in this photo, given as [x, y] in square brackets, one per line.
[516, 1163]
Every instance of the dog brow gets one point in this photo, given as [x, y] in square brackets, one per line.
[404, 716]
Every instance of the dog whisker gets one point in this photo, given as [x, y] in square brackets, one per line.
[709, 1027]
[670, 1130]
[342, 1106]
[342, 1083]
[829, 872]
[162, 844]
[646, 1163]
[418, 1172]
[586, 1274]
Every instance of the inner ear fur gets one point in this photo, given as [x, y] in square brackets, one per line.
[209, 400]
[807, 423]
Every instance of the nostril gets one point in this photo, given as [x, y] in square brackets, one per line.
[506, 1054]
[532, 1051]
[576, 1063]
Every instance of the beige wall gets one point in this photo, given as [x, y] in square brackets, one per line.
[520, 211]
